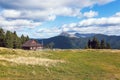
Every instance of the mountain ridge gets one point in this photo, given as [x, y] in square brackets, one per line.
[66, 42]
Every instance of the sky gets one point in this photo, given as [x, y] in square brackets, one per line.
[48, 18]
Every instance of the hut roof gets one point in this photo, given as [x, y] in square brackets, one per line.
[31, 43]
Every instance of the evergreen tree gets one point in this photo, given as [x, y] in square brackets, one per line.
[9, 40]
[95, 43]
[89, 44]
[23, 39]
[102, 44]
[2, 38]
[16, 41]
[27, 38]
[50, 45]
[108, 46]
[19, 43]
[86, 47]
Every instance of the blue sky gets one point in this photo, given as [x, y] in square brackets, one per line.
[48, 18]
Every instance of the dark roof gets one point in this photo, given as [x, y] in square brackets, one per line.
[31, 43]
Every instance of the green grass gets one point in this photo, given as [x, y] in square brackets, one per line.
[79, 65]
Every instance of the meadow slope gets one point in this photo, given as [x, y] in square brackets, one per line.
[59, 64]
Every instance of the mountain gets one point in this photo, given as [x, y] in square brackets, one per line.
[77, 35]
[84, 35]
[66, 34]
[65, 42]
[113, 40]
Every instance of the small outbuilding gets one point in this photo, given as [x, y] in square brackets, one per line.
[32, 45]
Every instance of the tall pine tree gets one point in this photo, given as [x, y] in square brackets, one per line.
[95, 43]
[27, 38]
[102, 44]
[89, 43]
[16, 41]
[108, 46]
[2, 38]
[23, 39]
[9, 40]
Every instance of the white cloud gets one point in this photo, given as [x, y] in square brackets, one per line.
[47, 9]
[44, 15]
[106, 25]
[90, 14]
[45, 32]
[18, 24]
[22, 14]
[45, 4]
[51, 30]
[117, 14]
[100, 22]
[10, 13]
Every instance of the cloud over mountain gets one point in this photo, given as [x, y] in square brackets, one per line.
[21, 14]
[104, 25]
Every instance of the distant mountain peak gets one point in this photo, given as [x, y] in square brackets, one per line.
[63, 42]
[66, 34]
[77, 35]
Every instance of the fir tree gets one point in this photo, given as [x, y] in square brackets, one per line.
[27, 38]
[102, 44]
[16, 41]
[108, 46]
[9, 40]
[89, 44]
[23, 39]
[95, 43]
[2, 38]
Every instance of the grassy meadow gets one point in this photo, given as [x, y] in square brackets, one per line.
[59, 64]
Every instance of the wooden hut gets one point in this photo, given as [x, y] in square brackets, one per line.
[32, 45]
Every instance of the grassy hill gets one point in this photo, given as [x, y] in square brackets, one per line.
[59, 64]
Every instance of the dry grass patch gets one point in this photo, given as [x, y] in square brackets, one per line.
[109, 50]
[32, 61]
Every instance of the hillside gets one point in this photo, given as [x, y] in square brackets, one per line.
[59, 64]
[113, 40]
[65, 42]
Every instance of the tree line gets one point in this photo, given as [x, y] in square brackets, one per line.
[96, 44]
[10, 39]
